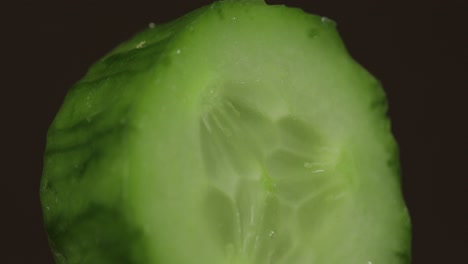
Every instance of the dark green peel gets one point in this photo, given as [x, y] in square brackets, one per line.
[241, 133]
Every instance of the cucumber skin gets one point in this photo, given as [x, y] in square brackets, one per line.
[83, 202]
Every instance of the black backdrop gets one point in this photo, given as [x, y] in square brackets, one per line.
[418, 49]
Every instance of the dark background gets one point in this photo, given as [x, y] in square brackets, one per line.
[418, 49]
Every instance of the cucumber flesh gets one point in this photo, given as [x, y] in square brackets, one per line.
[241, 133]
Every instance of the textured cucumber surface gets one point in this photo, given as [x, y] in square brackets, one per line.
[241, 133]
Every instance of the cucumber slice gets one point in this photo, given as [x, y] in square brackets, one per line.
[241, 133]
